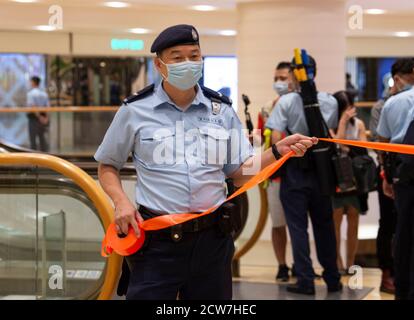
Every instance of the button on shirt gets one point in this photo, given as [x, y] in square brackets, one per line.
[181, 157]
[396, 116]
[289, 113]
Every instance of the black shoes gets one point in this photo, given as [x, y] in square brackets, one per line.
[298, 289]
[283, 273]
[335, 288]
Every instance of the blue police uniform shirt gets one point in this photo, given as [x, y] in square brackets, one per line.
[176, 153]
[396, 116]
[37, 98]
[288, 114]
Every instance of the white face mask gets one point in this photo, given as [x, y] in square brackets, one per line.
[281, 87]
[184, 75]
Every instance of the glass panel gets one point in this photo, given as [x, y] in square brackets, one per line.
[50, 237]
[54, 255]
[18, 234]
[74, 229]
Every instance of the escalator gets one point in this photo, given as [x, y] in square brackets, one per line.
[51, 231]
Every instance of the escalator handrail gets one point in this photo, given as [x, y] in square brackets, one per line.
[94, 192]
[59, 109]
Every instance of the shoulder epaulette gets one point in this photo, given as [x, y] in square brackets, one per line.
[214, 95]
[140, 94]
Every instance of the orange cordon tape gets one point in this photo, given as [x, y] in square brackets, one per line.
[131, 243]
[381, 146]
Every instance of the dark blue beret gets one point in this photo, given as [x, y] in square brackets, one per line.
[174, 36]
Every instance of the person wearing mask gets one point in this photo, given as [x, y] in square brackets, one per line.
[396, 125]
[38, 121]
[190, 260]
[348, 204]
[388, 214]
[282, 84]
[301, 196]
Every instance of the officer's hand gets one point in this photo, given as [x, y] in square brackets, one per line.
[297, 143]
[126, 214]
[388, 189]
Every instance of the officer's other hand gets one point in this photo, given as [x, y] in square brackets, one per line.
[388, 189]
[126, 214]
[297, 143]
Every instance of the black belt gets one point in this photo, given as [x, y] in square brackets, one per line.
[176, 231]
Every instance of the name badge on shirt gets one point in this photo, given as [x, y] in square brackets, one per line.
[216, 106]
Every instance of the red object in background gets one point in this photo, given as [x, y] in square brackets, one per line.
[260, 124]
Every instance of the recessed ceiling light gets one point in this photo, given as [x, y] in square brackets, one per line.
[25, 1]
[139, 30]
[403, 34]
[374, 11]
[203, 7]
[116, 4]
[45, 28]
[227, 32]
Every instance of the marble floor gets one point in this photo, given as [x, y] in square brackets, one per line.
[259, 265]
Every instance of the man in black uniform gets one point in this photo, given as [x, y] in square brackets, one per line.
[191, 260]
[396, 125]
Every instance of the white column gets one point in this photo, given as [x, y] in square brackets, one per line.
[268, 31]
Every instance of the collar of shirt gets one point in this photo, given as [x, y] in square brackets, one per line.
[162, 98]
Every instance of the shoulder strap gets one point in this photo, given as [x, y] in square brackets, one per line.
[216, 96]
[140, 94]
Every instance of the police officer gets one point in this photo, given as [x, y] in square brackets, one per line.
[282, 84]
[396, 125]
[300, 194]
[38, 122]
[164, 127]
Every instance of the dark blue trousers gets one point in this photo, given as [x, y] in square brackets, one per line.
[300, 196]
[198, 267]
[404, 242]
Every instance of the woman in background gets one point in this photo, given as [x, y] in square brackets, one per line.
[349, 204]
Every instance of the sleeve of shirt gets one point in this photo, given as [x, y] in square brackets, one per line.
[239, 148]
[375, 115]
[278, 119]
[118, 141]
[30, 100]
[333, 115]
[383, 129]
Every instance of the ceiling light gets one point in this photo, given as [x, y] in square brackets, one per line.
[25, 1]
[116, 4]
[203, 7]
[403, 34]
[374, 11]
[139, 30]
[227, 32]
[45, 28]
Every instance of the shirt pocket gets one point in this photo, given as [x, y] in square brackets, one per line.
[156, 147]
[213, 145]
